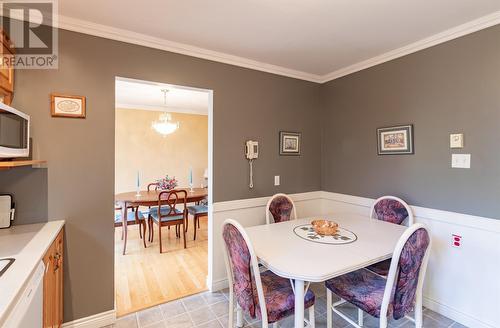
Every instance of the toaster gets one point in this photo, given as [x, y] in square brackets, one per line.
[7, 210]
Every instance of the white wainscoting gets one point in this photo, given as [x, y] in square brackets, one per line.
[462, 283]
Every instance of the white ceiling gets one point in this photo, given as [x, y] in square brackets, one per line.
[311, 39]
[135, 94]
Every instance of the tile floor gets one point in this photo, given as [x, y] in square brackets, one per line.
[210, 310]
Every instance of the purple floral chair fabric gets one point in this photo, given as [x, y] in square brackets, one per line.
[280, 299]
[410, 261]
[381, 268]
[278, 293]
[239, 257]
[281, 209]
[390, 210]
[365, 289]
[362, 288]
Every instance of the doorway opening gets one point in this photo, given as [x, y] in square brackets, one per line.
[163, 187]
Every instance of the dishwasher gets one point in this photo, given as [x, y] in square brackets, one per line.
[28, 311]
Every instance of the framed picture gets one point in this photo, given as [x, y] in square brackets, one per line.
[289, 143]
[67, 106]
[395, 140]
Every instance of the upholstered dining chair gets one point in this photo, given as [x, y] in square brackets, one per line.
[263, 295]
[166, 214]
[134, 216]
[151, 186]
[390, 209]
[395, 295]
[281, 207]
[197, 211]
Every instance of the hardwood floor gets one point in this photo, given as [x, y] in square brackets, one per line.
[145, 278]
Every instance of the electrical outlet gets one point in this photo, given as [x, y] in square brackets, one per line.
[456, 241]
[276, 180]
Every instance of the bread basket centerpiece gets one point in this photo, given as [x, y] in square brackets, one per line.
[325, 227]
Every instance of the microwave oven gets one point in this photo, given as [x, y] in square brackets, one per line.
[14, 132]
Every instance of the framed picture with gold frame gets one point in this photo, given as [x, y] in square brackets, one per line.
[67, 106]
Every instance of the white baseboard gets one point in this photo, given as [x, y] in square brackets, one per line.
[454, 314]
[219, 285]
[94, 321]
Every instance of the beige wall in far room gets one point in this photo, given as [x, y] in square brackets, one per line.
[140, 148]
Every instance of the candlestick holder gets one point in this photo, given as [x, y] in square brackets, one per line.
[191, 187]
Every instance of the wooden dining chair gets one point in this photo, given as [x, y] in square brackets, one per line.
[134, 216]
[166, 214]
[265, 295]
[281, 207]
[153, 186]
[197, 211]
[382, 297]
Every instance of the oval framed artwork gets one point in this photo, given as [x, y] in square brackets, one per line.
[67, 106]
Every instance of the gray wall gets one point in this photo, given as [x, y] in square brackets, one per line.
[453, 87]
[29, 189]
[80, 153]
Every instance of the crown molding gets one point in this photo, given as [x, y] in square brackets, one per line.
[108, 32]
[450, 34]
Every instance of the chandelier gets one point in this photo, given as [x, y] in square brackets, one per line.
[164, 124]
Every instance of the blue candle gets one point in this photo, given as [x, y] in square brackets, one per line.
[190, 175]
[138, 181]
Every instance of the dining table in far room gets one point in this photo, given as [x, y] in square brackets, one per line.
[149, 198]
[291, 249]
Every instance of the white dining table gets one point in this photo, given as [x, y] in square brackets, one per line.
[288, 255]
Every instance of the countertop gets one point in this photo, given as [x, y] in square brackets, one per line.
[27, 244]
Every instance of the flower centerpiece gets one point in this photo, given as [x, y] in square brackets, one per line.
[167, 183]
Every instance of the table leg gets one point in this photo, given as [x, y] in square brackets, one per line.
[299, 303]
[124, 226]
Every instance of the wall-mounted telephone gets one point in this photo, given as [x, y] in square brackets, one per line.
[252, 149]
[251, 152]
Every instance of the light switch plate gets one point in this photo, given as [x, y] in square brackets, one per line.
[461, 161]
[457, 140]
[276, 180]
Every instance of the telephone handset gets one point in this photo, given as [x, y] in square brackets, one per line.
[252, 149]
[251, 153]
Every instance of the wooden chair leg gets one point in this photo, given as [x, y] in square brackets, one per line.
[159, 236]
[151, 229]
[143, 225]
[198, 223]
[196, 218]
[187, 224]
[183, 235]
